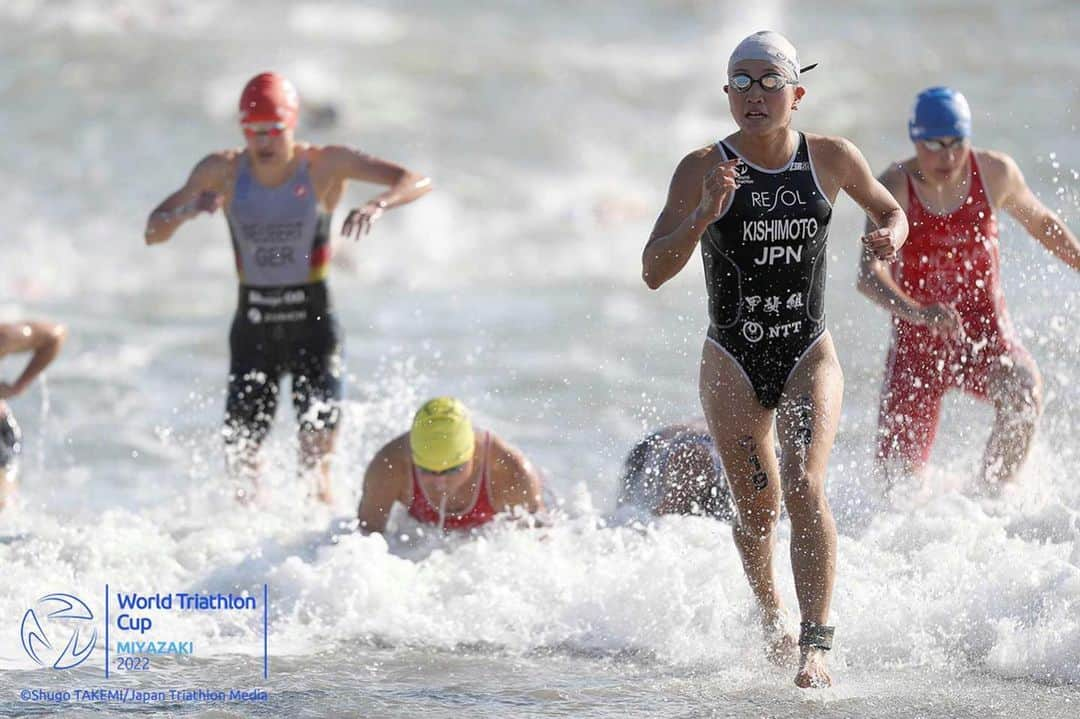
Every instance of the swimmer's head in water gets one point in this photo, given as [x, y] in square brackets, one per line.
[763, 81]
[442, 435]
[940, 112]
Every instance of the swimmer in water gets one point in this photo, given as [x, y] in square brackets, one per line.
[951, 329]
[759, 204]
[42, 340]
[676, 470]
[447, 474]
[278, 195]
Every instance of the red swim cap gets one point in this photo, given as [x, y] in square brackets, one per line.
[269, 97]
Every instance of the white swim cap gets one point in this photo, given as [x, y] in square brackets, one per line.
[770, 47]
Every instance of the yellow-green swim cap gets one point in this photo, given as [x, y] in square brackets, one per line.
[442, 435]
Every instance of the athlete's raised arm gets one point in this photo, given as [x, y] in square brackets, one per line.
[698, 192]
[403, 185]
[204, 191]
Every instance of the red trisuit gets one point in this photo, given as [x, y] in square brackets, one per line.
[953, 260]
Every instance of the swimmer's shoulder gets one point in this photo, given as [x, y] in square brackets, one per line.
[392, 465]
[831, 153]
[895, 179]
[1000, 173]
[394, 454]
[217, 169]
[701, 159]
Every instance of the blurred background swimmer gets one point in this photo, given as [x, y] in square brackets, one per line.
[43, 340]
[278, 195]
[951, 327]
[447, 473]
[676, 470]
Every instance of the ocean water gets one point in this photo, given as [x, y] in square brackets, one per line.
[550, 130]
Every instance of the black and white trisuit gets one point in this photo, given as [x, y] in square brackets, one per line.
[765, 270]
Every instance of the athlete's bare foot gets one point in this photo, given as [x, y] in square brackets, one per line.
[781, 647]
[813, 672]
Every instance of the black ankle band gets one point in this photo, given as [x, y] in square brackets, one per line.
[817, 636]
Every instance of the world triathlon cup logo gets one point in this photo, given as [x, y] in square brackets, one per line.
[58, 620]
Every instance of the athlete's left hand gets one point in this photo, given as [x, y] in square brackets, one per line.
[881, 243]
[7, 391]
[362, 218]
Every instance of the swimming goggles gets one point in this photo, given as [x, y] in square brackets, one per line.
[938, 144]
[254, 129]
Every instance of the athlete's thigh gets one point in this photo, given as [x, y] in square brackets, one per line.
[252, 393]
[809, 413]
[317, 387]
[742, 431]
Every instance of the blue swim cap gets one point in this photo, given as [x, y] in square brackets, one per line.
[940, 112]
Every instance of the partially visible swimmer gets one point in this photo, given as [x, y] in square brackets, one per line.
[43, 340]
[676, 470]
[278, 195]
[951, 328]
[447, 474]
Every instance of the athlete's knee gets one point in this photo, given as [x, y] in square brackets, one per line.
[243, 434]
[1032, 390]
[757, 519]
[315, 444]
[1020, 394]
[804, 497]
[319, 417]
